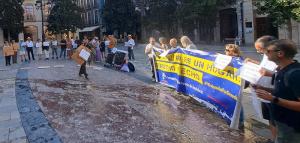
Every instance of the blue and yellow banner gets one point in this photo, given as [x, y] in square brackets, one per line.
[192, 72]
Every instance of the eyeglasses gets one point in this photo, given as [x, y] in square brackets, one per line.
[269, 51]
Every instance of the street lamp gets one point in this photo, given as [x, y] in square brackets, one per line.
[39, 4]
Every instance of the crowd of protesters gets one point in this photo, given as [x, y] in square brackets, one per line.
[280, 87]
[50, 48]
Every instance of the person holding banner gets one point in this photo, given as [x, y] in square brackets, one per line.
[285, 98]
[163, 43]
[173, 43]
[148, 52]
[187, 43]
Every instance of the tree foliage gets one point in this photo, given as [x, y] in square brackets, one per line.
[11, 15]
[120, 15]
[280, 10]
[65, 16]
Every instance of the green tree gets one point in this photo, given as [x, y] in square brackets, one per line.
[65, 16]
[11, 15]
[282, 11]
[120, 15]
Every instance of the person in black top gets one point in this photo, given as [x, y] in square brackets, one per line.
[63, 47]
[285, 97]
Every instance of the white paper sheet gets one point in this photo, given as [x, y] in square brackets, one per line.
[84, 54]
[250, 72]
[267, 64]
[222, 61]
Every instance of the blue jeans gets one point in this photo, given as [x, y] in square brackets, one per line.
[62, 52]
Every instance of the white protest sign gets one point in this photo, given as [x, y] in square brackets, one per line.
[222, 61]
[250, 72]
[84, 54]
[267, 64]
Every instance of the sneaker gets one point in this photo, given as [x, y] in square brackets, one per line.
[86, 77]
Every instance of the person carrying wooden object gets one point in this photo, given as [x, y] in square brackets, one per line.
[80, 56]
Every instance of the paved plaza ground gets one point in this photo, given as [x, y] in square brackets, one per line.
[46, 101]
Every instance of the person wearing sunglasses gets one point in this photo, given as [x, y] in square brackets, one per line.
[285, 97]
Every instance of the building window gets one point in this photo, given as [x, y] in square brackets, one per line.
[29, 13]
[96, 17]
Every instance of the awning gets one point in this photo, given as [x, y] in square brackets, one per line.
[88, 29]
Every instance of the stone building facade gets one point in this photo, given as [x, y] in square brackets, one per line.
[92, 18]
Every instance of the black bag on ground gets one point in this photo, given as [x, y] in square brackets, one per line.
[131, 67]
[110, 58]
[119, 58]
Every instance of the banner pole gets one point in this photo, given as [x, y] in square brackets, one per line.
[237, 111]
[154, 66]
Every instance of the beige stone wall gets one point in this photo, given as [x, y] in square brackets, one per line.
[248, 17]
[283, 33]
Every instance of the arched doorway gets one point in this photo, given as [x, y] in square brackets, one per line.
[31, 31]
[228, 23]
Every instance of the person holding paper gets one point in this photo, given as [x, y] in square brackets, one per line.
[130, 45]
[232, 50]
[285, 98]
[163, 43]
[76, 57]
[266, 79]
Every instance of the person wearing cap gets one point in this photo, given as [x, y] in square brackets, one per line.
[29, 48]
[22, 50]
[130, 44]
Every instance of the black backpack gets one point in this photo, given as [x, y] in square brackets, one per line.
[131, 67]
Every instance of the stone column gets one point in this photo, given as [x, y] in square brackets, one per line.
[248, 21]
[1, 38]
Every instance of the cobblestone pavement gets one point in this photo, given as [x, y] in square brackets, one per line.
[111, 107]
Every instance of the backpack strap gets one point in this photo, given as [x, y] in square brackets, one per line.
[288, 74]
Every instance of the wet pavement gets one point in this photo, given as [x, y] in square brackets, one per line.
[87, 112]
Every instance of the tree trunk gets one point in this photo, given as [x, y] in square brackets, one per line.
[8, 35]
[179, 28]
[196, 32]
[290, 29]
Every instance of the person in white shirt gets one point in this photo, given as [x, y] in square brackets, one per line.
[46, 45]
[29, 48]
[148, 51]
[39, 50]
[266, 79]
[53, 45]
[130, 45]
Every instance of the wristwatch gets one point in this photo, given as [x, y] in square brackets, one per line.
[275, 100]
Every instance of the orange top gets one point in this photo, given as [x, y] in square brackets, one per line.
[112, 43]
[15, 47]
[8, 51]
